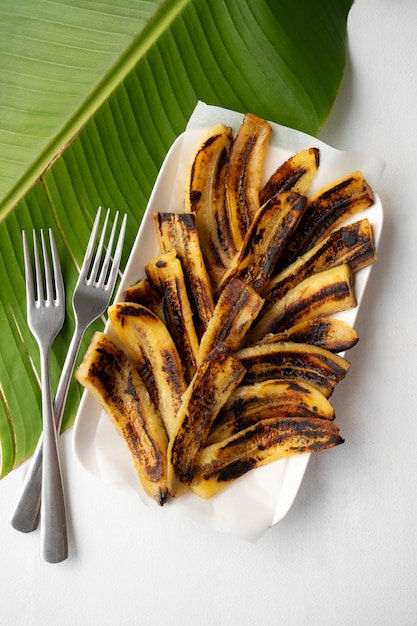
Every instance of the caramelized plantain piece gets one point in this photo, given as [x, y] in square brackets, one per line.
[218, 465]
[302, 362]
[326, 211]
[244, 174]
[270, 398]
[165, 271]
[205, 196]
[178, 231]
[236, 309]
[352, 244]
[295, 174]
[145, 292]
[329, 333]
[322, 294]
[267, 236]
[110, 377]
[214, 381]
[155, 356]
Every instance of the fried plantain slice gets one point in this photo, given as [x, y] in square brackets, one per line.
[165, 271]
[352, 244]
[244, 174]
[218, 465]
[205, 196]
[263, 400]
[269, 232]
[111, 378]
[304, 362]
[214, 381]
[154, 354]
[236, 309]
[178, 231]
[325, 211]
[295, 174]
[322, 294]
[329, 333]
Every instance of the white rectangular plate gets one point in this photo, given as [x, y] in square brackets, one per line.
[262, 497]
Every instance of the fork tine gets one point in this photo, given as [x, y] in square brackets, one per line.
[38, 271]
[59, 281]
[100, 281]
[49, 290]
[94, 270]
[30, 292]
[117, 256]
[84, 271]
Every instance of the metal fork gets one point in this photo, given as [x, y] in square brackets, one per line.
[45, 298]
[91, 297]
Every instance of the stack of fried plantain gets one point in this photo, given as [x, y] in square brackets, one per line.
[227, 352]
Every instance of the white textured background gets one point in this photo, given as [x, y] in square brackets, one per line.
[346, 552]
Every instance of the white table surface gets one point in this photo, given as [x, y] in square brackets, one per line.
[346, 552]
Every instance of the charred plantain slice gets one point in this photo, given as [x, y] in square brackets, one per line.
[326, 211]
[155, 356]
[329, 333]
[302, 362]
[237, 307]
[295, 174]
[244, 174]
[266, 441]
[352, 244]
[165, 271]
[266, 238]
[322, 294]
[110, 377]
[145, 292]
[263, 400]
[205, 196]
[212, 384]
[178, 231]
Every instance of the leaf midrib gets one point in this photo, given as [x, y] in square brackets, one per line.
[160, 21]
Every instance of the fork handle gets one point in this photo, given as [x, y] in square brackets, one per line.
[54, 537]
[25, 516]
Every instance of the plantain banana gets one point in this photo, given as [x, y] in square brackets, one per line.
[237, 307]
[165, 271]
[295, 174]
[155, 356]
[205, 196]
[325, 211]
[268, 233]
[111, 378]
[244, 174]
[178, 231]
[218, 465]
[329, 333]
[304, 362]
[263, 400]
[322, 294]
[214, 381]
[352, 244]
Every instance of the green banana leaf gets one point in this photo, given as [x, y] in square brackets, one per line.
[92, 94]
